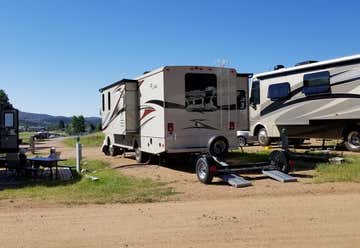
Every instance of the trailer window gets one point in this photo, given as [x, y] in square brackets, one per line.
[255, 93]
[278, 91]
[103, 102]
[109, 101]
[9, 120]
[316, 83]
[241, 100]
[200, 92]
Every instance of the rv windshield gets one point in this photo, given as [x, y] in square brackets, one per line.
[255, 93]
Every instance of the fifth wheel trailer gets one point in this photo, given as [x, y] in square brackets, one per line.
[9, 129]
[311, 100]
[175, 109]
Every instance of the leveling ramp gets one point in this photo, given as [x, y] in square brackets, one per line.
[235, 180]
[279, 176]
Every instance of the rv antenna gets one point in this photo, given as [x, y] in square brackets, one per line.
[222, 62]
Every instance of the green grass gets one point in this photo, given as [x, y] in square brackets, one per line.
[345, 172]
[25, 136]
[91, 140]
[112, 187]
[248, 157]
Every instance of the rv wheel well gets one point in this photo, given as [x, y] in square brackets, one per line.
[350, 128]
[257, 129]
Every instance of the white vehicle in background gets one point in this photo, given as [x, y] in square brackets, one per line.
[311, 100]
[175, 109]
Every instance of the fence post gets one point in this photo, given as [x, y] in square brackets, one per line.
[78, 154]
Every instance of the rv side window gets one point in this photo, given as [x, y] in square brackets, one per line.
[9, 120]
[200, 92]
[316, 83]
[103, 102]
[278, 91]
[109, 101]
[255, 93]
[241, 99]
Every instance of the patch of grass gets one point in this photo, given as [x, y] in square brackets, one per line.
[111, 187]
[25, 136]
[91, 140]
[345, 172]
[248, 157]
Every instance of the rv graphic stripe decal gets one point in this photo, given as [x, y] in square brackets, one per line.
[278, 105]
[113, 117]
[281, 103]
[166, 104]
[147, 111]
[199, 123]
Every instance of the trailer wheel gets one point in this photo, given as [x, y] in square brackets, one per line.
[140, 156]
[352, 141]
[218, 146]
[203, 170]
[279, 161]
[263, 137]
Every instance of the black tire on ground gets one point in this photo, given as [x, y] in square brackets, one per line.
[113, 151]
[263, 138]
[140, 156]
[242, 141]
[279, 161]
[106, 150]
[352, 141]
[218, 146]
[203, 172]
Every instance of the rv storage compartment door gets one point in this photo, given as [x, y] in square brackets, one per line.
[131, 107]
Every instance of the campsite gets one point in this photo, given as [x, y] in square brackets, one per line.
[179, 124]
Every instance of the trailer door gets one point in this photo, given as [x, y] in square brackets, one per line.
[242, 104]
[9, 132]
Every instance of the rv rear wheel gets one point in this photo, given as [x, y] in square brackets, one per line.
[203, 171]
[140, 156]
[263, 138]
[352, 141]
[106, 150]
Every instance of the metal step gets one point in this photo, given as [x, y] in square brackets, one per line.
[279, 176]
[235, 180]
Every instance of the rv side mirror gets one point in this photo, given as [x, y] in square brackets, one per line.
[252, 104]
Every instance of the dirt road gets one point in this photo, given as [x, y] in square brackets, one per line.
[269, 214]
[288, 221]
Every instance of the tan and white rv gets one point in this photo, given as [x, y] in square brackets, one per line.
[175, 109]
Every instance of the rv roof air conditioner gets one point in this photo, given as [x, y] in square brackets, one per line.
[278, 67]
[306, 62]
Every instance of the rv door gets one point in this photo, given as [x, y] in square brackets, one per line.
[9, 131]
[131, 107]
[242, 102]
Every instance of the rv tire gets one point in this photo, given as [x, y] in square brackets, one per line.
[203, 171]
[105, 150]
[140, 156]
[352, 141]
[263, 138]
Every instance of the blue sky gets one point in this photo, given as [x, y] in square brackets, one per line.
[55, 55]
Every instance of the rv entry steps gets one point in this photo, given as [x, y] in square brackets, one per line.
[235, 180]
[279, 176]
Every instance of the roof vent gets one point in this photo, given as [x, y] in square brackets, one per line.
[278, 67]
[146, 72]
[306, 62]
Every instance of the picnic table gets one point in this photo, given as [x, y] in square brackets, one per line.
[47, 162]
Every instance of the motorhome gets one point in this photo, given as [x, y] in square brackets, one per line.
[310, 100]
[175, 109]
[9, 129]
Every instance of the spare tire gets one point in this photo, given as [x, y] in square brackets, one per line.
[218, 146]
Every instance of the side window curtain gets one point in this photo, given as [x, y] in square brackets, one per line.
[317, 83]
